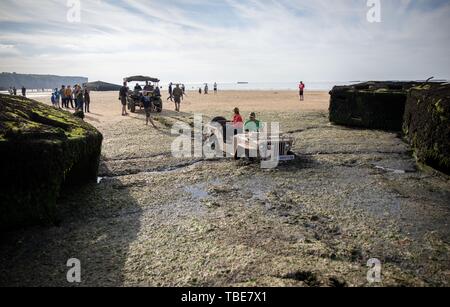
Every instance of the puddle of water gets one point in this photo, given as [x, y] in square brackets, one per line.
[198, 192]
[390, 170]
[174, 169]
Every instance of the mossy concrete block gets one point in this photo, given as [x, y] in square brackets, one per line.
[427, 124]
[373, 105]
[41, 149]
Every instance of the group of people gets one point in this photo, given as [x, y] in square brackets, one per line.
[206, 89]
[13, 91]
[78, 97]
[177, 94]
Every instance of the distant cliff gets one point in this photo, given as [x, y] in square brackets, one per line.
[37, 81]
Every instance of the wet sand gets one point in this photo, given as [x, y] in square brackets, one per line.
[154, 220]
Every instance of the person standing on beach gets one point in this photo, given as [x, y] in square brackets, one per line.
[14, 91]
[57, 96]
[206, 89]
[301, 88]
[79, 101]
[24, 91]
[68, 93]
[62, 93]
[53, 100]
[123, 94]
[215, 88]
[177, 94]
[87, 99]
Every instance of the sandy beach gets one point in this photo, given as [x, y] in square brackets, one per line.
[108, 105]
[155, 220]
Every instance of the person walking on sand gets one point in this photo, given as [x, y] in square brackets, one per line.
[24, 91]
[14, 91]
[206, 89]
[123, 94]
[301, 88]
[87, 99]
[215, 88]
[146, 101]
[177, 94]
[170, 92]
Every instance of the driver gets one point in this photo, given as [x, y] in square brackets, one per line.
[252, 125]
[137, 88]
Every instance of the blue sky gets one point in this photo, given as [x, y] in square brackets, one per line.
[228, 40]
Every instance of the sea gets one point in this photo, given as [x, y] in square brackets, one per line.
[266, 86]
[233, 86]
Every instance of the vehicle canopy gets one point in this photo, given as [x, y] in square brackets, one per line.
[141, 79]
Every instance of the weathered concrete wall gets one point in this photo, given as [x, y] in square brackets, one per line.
[41, 148]
[374, 105]
[427, 124]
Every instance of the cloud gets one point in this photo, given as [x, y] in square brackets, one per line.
[251, 40]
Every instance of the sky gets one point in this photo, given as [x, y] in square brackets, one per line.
[227, 40]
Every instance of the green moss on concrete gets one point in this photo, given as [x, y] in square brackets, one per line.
[374, 105]
[42, 149]
[427, 125]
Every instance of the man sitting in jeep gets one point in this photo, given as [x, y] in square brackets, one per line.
[252, 125]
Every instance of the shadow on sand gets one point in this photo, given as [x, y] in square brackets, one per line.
[98, 224]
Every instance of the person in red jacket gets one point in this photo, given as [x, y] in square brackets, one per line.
[301, 88]
[238, 122]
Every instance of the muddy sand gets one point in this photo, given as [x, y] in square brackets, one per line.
[154, 220]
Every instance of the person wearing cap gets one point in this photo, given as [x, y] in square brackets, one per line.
[252, 125]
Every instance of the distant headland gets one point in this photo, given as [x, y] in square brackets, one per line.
[31, 81]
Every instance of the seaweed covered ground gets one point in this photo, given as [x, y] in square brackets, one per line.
[154, 220]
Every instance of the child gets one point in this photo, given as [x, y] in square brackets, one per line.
[54, 100]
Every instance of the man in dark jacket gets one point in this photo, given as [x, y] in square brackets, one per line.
[123, 94]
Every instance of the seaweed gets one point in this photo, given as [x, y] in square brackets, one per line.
[373, 105]
[427, 126]
[41, 150]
